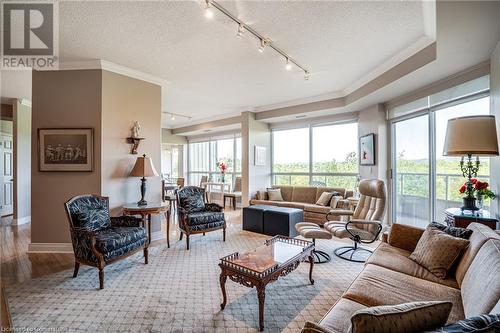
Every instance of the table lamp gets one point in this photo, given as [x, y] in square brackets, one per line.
[143, 168]
[468, 136]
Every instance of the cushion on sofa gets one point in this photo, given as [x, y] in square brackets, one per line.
[338, 318]
[380, 286]
[404, 236]
[286, 191]
[406, 317]
[310, 327]
[484, 323]
[453, 231]
[398, 260]
[480, 234]
[316, 209]
[274, 194]
[437, 251]
[306, 194]
[324, 199]
[320, 189]
[481, 283]
[334, 202]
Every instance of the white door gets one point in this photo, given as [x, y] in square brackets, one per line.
[6, 175]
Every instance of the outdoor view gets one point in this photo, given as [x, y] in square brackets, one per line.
[333, 162]
[413, 165]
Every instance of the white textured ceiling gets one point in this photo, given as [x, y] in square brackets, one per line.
[211, 72]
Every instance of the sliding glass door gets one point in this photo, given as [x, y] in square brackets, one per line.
[411, 171]
[424, 182]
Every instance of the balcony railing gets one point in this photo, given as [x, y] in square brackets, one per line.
[346, 180]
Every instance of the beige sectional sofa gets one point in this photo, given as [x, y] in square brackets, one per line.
[305, 198]
[390, 278]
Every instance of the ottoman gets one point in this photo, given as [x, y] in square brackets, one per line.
[314, 231]
[282, 221]
[253, 218]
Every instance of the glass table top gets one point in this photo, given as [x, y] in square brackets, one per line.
[150, 205]
[272, 254]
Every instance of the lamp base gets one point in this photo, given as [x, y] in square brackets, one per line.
[469, 204]
[142, 203]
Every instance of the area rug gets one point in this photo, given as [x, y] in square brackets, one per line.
[178, 291]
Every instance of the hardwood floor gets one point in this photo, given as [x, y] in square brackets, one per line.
[18, 266]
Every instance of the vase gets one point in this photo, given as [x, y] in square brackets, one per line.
[222, 177]
[480, 201]
[469, 204]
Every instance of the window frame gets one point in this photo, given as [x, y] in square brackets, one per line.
[310, 173]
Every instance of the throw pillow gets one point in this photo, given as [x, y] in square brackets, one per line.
[454, 231]
[274, 194]
[193, 203]
[310, 327]
[93, 219]
[407, 317]
[437, 251]
[482, 323]
[324, 199]
[334, 201]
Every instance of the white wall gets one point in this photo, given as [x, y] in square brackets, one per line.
[22, 163]
[373, 120]
[254, 178]
[495, 110]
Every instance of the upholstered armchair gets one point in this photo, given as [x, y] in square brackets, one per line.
[98, 239]
[196, 216]
[364, 224]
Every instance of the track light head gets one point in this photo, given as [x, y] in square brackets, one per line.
[241, 30]
[172, 117]
[208, 10]
[306, 75]
[262, 46]
[288, 65]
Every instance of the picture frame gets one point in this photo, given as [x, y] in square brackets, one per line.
[367, 150]
[260, 156]
[66, 149]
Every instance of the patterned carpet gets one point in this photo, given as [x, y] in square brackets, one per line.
[178, 291]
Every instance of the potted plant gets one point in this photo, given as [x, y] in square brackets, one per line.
[479, 189]
[222, 168]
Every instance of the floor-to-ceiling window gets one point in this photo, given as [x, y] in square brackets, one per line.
[325, 155]
[425, 183]
[203, 158]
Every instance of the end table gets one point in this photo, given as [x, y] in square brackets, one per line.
[455, 217]
[154, 208]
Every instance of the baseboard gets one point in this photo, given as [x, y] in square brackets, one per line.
[50, 248]
[22, 220]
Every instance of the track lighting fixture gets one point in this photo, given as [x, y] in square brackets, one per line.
[264, 41]
[241, 30]
[208, 10]
[173, 116]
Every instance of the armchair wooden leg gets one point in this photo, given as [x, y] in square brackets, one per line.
[180, 237]
[77, 267]
[224, 234]
[203, 234]
[187, 241]
[146, 255]
[101, 278]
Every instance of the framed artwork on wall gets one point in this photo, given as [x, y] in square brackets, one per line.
[65, 149]
[260, 155]
[367, 149]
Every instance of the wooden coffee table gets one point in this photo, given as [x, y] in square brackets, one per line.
[278, 256]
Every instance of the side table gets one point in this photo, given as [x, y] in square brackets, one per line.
[455, 217]
[146, 211]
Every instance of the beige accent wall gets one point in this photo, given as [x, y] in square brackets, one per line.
[495, 110]
[254, 177]
[22, 162]
[125, 100]
[169, 138]
[62, 99]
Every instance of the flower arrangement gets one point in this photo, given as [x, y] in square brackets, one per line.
[222, 167]
[479, 188]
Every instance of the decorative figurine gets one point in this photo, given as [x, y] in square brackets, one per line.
[136, 129]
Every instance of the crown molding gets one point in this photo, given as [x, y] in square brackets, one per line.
[112, 67]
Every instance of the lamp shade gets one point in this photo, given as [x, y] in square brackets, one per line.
[474, 135]
[143, 168]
